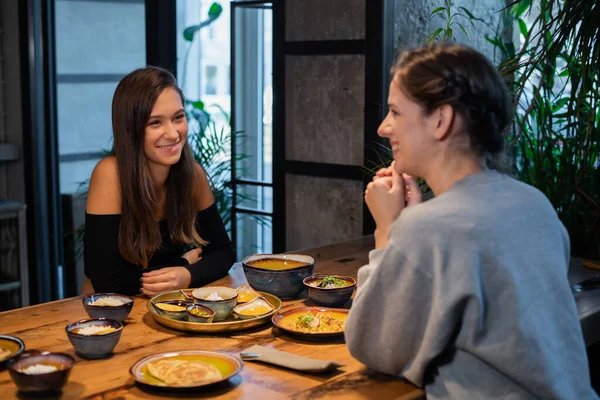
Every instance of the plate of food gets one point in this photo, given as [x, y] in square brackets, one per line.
[188, 369]
[239, 317]
[10, 347]
[312, 321]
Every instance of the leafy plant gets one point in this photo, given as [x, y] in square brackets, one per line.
[555, 78]
[451, 22]
[210, 144]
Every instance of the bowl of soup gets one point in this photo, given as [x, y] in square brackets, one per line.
[278, 274]
[330, 290]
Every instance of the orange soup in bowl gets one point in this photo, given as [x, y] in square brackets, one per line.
[276, 264]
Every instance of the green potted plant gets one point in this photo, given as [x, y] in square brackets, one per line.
[555, 142]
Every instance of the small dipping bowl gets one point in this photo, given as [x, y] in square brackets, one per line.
[41, 382]
[117, 312]
[222, 308]
[253, 309]
[206, 316]
[94, 346]
[278, 274]
[178, 315]
[330, 296]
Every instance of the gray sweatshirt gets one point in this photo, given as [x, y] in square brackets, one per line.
[470, 298]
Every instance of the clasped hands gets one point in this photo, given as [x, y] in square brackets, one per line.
[169, 278]
[386, 196]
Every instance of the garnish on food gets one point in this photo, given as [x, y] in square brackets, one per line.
[332, 282]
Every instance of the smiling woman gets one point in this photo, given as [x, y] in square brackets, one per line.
[151, 222]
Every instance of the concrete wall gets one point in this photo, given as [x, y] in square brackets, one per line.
[324, 122]
[324, 108]
[412, 25]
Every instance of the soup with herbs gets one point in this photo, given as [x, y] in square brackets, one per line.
[330, 282]
[276, 264]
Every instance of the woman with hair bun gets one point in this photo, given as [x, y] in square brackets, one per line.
[465, 295]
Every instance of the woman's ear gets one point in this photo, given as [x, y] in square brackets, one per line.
[444, 120]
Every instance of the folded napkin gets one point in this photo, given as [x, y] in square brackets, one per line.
[287, 360]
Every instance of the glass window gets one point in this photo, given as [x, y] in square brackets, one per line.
[211, 80]
[97, 44]
[205, 77]
[253, 107]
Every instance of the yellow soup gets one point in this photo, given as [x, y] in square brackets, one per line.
[246, 297]
[170, 307]
[257, 310]
[276, 263]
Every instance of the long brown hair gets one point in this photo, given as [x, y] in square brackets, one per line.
[455, 74]
[139, 231]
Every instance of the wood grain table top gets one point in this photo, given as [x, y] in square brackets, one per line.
[42, 327]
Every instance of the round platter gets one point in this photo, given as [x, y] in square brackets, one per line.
[227, 365]
[284, 320]
[12, 344]
[231, 324]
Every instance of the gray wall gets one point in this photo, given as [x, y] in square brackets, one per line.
[324, 122]
[412, 25]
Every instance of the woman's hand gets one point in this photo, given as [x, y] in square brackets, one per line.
[387, 196]
[412, 191]
[193, 256]
[164, 280]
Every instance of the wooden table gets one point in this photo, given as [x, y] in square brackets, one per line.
[42, 327]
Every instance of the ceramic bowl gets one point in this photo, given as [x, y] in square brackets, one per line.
[223, 307]
[207, 317]
[283, 283]
[329, 296]
[178, 315]
[14, 345]
[118, 313]
[253, 309]
[98, 345]
[41, 382]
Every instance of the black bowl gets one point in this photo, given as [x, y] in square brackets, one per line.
[118, 313]
[94, 346]
[283, 283]
[330, 297]
[49, 381]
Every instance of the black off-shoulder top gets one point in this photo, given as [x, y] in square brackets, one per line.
[110, 272]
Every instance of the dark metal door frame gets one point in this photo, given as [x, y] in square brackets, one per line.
[44, 223]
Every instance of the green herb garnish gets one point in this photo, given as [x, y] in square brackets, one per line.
[304, 320]
[331, 279]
